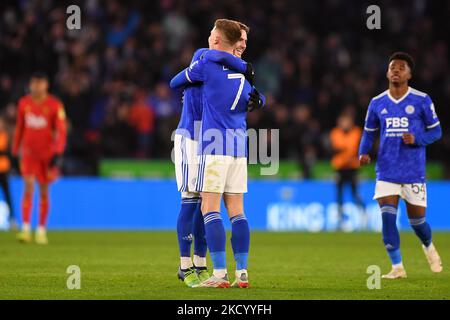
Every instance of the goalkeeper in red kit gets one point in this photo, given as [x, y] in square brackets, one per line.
[39, 141]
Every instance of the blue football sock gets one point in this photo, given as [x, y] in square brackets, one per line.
[184, 225]
[422, 230]
[240, 240]
[391, 236]
[200, 245]
[216, 239]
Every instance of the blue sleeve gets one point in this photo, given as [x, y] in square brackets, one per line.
[198, 54]
[367, 140]
[371, 125]
[429, 114]
[194, 74]
[179, 80]
[372, 122]
[191, 75]
[227, 59]
[429, 136]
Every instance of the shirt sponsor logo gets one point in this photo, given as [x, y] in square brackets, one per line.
[35, 122]
[396, 126]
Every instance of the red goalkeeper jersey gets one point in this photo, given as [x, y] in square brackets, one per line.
[40, 128]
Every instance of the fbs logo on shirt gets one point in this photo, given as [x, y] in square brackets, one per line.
[396, 124]
[35, 122]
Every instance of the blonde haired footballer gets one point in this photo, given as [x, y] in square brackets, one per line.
[227, 34]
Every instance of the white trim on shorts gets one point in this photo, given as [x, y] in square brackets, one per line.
[186, 166]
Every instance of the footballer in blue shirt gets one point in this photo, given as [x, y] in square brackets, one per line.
[407, 122]
[222, 149]
[188, 134]
[190, 226]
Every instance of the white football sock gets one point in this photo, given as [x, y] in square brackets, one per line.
[239, 272]
[199, 261]
[186, 262]
[220, 273]
[26, 227]
[41, 229]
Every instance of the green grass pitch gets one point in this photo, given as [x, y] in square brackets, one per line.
[143, 265]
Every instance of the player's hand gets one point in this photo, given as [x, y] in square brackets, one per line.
[408, 138]
[250, 74]
[255, 101]
[364, 159]
[56, 161]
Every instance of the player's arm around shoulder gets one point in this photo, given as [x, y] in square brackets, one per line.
[226, 59]
[192, 75]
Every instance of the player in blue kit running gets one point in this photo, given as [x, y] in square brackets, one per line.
[190, 224]
[223, 153]
[407, 121]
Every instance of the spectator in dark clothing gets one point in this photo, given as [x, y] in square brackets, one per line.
[117, 136]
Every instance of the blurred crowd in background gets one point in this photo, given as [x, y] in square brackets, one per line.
[313, 60]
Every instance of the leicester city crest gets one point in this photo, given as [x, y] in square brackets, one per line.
[409, 109]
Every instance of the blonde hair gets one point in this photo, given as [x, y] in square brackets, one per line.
[244, 27]
[230, 29]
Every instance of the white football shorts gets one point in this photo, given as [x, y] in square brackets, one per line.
[413, 193]
[186, 163]
[222, 174]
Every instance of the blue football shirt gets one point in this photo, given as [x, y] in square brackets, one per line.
[191, 116]
[413, 113]
[224, 116]
[192, 106]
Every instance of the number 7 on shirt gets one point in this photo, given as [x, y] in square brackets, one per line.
[241, 86]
